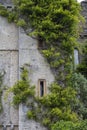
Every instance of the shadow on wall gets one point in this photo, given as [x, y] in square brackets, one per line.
[8, 127]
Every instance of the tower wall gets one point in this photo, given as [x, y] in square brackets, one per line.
[18, 50]
[9, 66]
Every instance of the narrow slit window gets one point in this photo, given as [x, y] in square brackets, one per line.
[9, 7]
[42, 88]
[76, 56]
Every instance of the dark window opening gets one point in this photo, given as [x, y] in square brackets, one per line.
[9, 6]
[41, 88]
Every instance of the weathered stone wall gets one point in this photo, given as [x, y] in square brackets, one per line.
[25, 124]
[9, 65]
[16, 50]
[30, 56]
[84, 13]
[6, 1]
[83, 35]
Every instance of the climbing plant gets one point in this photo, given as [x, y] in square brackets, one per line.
[56, 23]
[3, 11]
[56, 106]
[82, 67]
[22, 89]
[55, 110]
[79, 83]
[68, 125]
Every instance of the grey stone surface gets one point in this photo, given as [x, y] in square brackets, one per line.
[8, 35]
[84, 13]
[16, 50]
[6, 1]
[25, 124]
[9, 65]
[30, 56]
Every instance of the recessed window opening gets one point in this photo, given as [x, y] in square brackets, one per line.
[42, 87]
[76, 56]
[9, 7]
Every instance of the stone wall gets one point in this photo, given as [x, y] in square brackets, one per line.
[83, 34]
[6, 1]
[38, 68]
[9, 64]
[18, 50]
[84, 13]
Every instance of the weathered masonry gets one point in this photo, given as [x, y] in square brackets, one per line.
[17, 50]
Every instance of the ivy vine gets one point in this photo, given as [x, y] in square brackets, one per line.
[56, 23]
[22, 89]
[57, 105]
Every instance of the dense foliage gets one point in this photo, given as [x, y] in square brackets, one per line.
[22, 90]
[62, 108]
[79, 83]
[57, 25]
[3, 11]
[68, 125]
[56, 106]
[82, 67]
[54, 23]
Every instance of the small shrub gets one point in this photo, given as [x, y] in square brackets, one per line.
[22, 90]
[3, 11]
